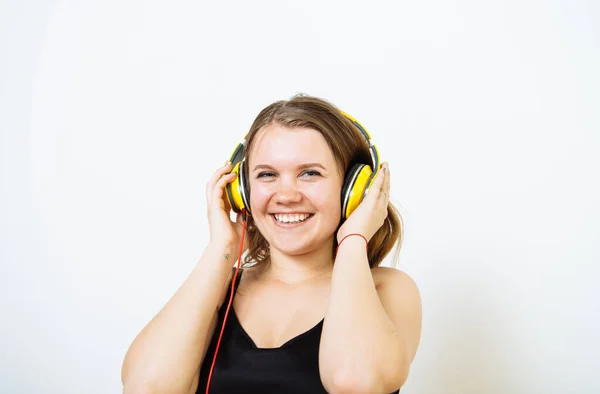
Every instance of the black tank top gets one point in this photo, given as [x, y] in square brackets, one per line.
[242, 367]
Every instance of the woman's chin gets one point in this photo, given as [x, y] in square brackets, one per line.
[291, 248]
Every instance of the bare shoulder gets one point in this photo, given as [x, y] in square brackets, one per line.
[385, 277]
[400, 297]
[396, 289]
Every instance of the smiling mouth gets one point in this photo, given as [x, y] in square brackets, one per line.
[292, 222]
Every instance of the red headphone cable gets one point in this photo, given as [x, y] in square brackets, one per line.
[230, 300]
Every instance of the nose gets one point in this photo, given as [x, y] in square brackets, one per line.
[287, 192]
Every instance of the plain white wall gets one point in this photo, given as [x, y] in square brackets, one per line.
[113, 114]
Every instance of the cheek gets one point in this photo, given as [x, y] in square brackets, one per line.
[259, 195]
[324, 198]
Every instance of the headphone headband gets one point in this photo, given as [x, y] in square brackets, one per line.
[372, 148]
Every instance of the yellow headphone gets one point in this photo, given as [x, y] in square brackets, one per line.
[357, 182]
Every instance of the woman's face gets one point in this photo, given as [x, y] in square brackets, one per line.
[295, 188]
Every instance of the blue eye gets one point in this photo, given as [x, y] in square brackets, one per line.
[265, 174]
[312, 173]
[309, 173]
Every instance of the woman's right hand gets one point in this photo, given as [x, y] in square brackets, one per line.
[222, 230]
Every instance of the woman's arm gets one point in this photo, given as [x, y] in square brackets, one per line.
[370, 335]
[166, 356]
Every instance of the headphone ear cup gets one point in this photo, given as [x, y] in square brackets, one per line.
[356, 183]
[235, 190]
[244, 186]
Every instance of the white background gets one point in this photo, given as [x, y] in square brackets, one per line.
[113, 114]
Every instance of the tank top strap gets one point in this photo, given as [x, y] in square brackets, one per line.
[237, 283]
[237, 279]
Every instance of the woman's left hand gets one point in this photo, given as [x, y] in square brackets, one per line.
[371, 213]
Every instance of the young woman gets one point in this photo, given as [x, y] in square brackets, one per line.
[312, 311]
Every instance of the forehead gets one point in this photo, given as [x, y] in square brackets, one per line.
[280, 144]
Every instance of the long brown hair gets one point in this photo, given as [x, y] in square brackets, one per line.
[318, 114]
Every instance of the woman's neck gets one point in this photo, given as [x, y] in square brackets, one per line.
[297, 269]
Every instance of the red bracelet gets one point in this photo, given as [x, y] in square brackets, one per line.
[360, 235]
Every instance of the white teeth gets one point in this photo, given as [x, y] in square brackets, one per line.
[286, 218]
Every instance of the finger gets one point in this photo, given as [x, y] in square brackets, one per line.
[217, 192]
[385, 182]
[217, 175]
[379, 182]
[388, 180]
[210, 185]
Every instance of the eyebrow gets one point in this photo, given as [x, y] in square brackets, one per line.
[300, 167]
